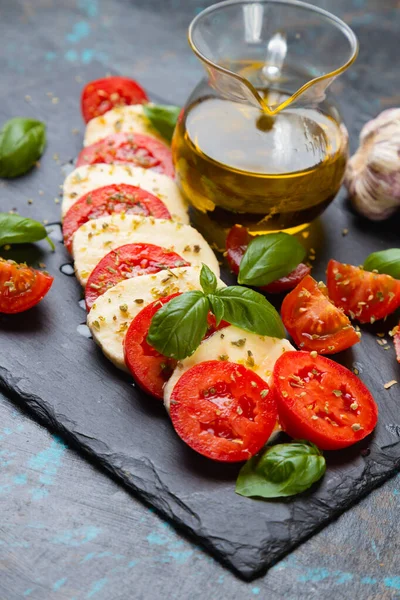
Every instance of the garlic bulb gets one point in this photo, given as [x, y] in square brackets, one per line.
[373, 173]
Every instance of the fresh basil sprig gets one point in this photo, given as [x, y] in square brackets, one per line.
[22, 142]
[178, 327]
[270, 257]
[386, 261]
[281, 470]
[163, 118]
[21, 230]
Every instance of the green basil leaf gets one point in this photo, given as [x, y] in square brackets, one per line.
[217, 308]
[208, 281]
[250, 311]
[21, 230]
[177, 329]
[163, 118]
[281, 470]
[386, 261]
[270, 257]
[22, 142]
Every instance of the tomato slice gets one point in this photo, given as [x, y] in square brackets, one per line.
[150, 369]
[102, 95]
[313, 320]
[322, 401]
[236, 245]
[362, 295]
[135, 148]
[223, 410]
[396, 341]
[131, 260]
[21, 287]
[111, 199]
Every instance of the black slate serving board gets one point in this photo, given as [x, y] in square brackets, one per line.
[48, 366]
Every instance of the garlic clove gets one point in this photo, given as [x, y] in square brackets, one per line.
[373, 173]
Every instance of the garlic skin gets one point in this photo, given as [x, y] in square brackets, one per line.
[373, 173]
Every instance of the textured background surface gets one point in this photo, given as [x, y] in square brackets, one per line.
[56, 517]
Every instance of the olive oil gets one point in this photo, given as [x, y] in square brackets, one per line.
[237, 164]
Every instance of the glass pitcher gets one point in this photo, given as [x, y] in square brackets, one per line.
[259, 141]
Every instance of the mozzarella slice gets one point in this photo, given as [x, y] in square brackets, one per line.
[123, 119]
[89, 177]
[108, 322]
[93, 240]
[256, 352]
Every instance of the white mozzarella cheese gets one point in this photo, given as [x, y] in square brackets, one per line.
[93, 240]
[89, 177]
[123, 119]
[108, 323]
[256, 352]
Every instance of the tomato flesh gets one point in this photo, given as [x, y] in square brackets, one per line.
[223, 410]
[150, 369]
[313, 320]
[21, 287]
[111, 199]
[102, 95]
[362, 295]
[137, 149]
[396, 341]
[131, 260]
[236, 245]
[322, 401]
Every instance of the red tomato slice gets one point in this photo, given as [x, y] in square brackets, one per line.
[131, 260]
[236, 245]
[151, 369]
[363, 295]
[396, 341]
[223, 410]
[135, 148]
[313, 320]
[322, 401]
[104, 94]
[108, 200]
[21, 287]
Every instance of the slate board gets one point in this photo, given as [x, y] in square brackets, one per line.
[64, 380]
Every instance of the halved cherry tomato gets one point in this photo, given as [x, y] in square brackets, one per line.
[322, 401]
[223, 410]
[363, 295]
[236, 245]
[111, 199]
[21, 287]
[151, 369]
[102, 95]
[129, 261]
[135, 148]
[313, 320]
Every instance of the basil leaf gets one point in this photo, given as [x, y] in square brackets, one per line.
[21, 230]
[281, 470]
[386, 261]
[270, 257]
[177, 329]
[217, 308]
[250, 311]
[22, 142]
[208, 281]
[163, 118]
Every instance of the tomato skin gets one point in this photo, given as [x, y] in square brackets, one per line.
[236, 245]
[131, 260]
[313, 320]
[21, 287]
[223, 410]
[111, 199]
[102, 95]
[137, 149]
[307, 405]
[362, 295]
[150, 369]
